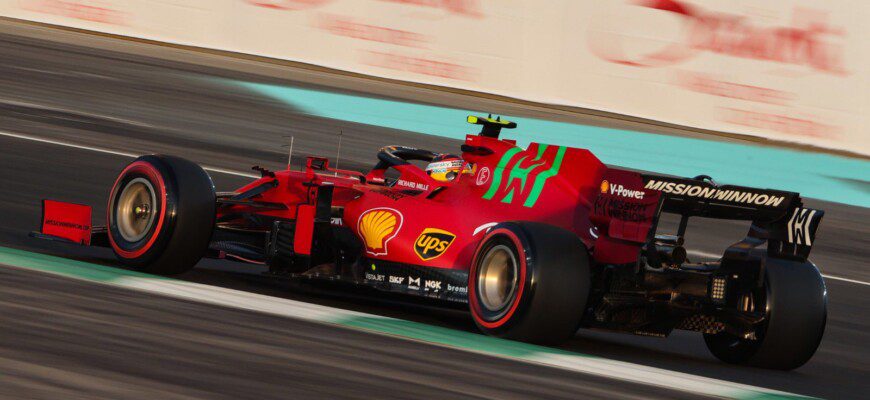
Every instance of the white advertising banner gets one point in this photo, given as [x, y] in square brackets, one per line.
[788, 70]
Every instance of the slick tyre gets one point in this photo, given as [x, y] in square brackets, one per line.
[529, 282]
[161, 214]
[794, 300]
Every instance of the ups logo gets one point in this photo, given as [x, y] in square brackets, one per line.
[432, 243]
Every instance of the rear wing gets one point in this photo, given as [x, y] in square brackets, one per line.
[777, 216]
[630, 204]
[702, 197]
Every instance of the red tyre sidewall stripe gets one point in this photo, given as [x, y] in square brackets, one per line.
[148, 170]
[472, 288]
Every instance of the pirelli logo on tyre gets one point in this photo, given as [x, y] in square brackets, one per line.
[432, 243]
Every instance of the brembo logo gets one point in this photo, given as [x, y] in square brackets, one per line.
[809, 42]
[432, 243]
[712, 193]
[377, 227]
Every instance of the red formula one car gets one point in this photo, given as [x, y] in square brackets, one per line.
[539, 241]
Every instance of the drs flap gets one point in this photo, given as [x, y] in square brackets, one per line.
[67, 221]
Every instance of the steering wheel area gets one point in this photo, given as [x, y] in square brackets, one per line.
[399, 157]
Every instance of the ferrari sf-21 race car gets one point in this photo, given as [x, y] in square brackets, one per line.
[539, 242]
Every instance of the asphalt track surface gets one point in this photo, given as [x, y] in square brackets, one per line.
[62, 338]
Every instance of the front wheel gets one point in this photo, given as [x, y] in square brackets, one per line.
[529, 282]
[794, 300]
[161, 214]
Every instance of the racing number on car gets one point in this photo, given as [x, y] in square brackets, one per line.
[520, 178]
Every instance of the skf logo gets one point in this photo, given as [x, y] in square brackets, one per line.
[432, 243]
[377, 227]
[605, 186]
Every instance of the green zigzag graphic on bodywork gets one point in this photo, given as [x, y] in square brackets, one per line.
[518, 172]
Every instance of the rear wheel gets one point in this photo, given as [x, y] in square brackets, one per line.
[794, 300]
[529, 282]
[161, 214]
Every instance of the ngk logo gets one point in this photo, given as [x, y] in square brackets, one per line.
[809, 41]
[434, 286]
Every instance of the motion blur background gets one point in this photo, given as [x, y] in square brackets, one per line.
[790, 70]
[761, 93]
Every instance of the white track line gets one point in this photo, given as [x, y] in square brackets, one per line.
[840, 278]
[59, 143]
[249, 175]
[232, 298]
[114, 152]
[834, 277]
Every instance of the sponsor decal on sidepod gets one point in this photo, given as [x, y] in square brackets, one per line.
[374, 277]
[414, 283]
[377, 227]
[433, 286]
[432, 243]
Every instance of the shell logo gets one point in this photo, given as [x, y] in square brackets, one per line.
[377, 227]
[605, 185]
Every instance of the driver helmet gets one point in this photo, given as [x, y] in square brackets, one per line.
[446, 167]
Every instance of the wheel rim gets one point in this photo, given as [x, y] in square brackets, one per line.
[497, 279]
[134, 213]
